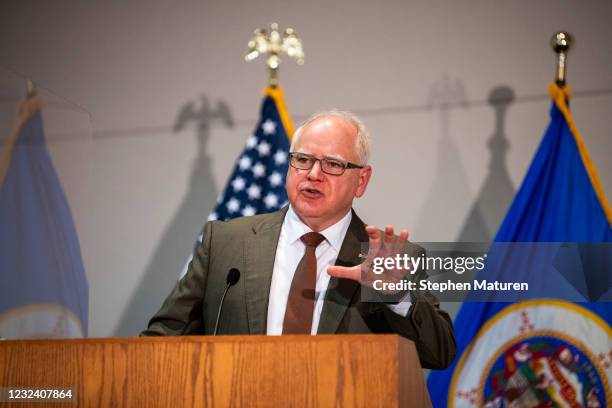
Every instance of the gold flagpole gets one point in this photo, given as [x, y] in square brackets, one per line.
[561, 42]
[30, 88]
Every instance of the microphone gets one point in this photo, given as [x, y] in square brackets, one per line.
[233, 276]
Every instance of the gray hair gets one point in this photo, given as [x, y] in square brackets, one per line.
[363, 135]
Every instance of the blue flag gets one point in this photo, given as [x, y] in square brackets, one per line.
[257, 184]
[542, 352]
[43, 290]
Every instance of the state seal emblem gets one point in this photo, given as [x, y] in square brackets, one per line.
[542, 353]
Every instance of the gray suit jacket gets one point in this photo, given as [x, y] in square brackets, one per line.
[249, 244]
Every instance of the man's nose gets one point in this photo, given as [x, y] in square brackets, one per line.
[315, 172]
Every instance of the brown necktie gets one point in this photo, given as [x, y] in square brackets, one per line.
[301, 301]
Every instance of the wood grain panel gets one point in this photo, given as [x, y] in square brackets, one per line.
[224, 371]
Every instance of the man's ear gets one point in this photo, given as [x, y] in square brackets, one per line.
[364, 179]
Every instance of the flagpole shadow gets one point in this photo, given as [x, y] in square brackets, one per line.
[450, 184]
[450, 181]
[179, 237]
[497, 191]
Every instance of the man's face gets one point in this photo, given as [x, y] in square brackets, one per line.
[320, 199]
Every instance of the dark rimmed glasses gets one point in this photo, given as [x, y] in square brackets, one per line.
[334, 167]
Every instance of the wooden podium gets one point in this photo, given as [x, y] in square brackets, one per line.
[224, 371]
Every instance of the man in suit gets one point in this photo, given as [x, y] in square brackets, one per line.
[301, 267]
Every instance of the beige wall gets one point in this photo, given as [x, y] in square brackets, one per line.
[397, 63]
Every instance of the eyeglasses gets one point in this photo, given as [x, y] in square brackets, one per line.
[334, 167]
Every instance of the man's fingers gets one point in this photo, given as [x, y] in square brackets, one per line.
[345, 272]
[389, 237]
[401, 240]
[385, 243]
[374, 237]
[373, 233]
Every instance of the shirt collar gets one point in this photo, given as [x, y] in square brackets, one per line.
[294, 228]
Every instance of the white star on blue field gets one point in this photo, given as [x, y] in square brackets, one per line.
[257, 184]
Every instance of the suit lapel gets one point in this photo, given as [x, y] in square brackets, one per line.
[340, 291]
[260, 252]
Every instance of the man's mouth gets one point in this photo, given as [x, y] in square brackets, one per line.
[311, 193]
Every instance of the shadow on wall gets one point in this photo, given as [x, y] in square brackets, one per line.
[180, 235]
[496, 194]
[449, 187]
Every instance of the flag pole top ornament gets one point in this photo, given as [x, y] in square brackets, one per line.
[30, 88]
[561, 43]
[274, 44]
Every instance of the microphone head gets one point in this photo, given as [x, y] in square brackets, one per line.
[233, 276]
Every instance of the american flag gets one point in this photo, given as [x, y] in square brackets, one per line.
[257, 184]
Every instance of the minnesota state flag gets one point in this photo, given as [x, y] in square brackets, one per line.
[541, 352]
[43, 290]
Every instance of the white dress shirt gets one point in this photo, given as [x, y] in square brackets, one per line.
[289, 252]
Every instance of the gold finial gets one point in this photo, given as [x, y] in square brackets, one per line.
[30, 88]
[561, 42]
[273, 44]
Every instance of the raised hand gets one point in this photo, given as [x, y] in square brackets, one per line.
[381, 245]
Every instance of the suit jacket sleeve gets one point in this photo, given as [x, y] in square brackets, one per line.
[181, 312]
[428, 326]
[431, 330]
